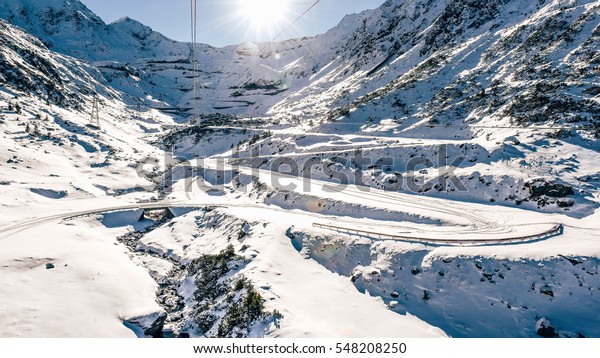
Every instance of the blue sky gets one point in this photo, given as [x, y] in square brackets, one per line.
[221, 21]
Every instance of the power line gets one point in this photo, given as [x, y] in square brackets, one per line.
[192, 21]
[293, 23]
[287, 27]
[194, 35]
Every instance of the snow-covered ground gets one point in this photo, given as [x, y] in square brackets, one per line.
[397, 122]
[65, 275]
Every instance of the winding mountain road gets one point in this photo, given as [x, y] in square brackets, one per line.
[461, 222]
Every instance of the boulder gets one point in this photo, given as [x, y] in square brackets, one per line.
[544, 328]
[541, 187]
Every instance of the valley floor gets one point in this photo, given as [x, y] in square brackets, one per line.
[77, 259]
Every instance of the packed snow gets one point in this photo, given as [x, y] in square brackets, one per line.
[471, 122]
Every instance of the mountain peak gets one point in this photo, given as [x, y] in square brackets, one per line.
[69, 27]
[25, 13]
[126, 20]
[131, 26]
[59, 23]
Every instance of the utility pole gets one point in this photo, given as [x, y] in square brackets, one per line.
[95, 117]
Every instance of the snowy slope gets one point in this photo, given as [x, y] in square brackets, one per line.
[71, 28]
[28, 66]
[456, 61]
[487, 59]
[77, 277]
[49, 155]
[507, 88]
[454, 119]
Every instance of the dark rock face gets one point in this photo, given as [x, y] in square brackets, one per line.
[546, 290]
[541, 187]
[49, 266]
[547, 332]
[565, 203]
[546, 329]
[156, 330]
[545, 193]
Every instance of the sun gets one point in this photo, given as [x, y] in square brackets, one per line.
[264, 14]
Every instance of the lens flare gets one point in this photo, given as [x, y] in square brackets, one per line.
[264, 14]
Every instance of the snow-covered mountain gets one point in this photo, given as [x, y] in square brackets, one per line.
[465, 121]
[69, 27]
[461, 61]
[28, 66]
[431, 61]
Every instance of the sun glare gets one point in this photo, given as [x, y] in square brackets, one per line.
[264, 14]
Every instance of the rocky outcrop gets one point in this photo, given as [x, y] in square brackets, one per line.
[544, 328]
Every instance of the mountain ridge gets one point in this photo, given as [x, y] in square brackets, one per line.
[426, 127]
[372, 57]
[69, 27]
